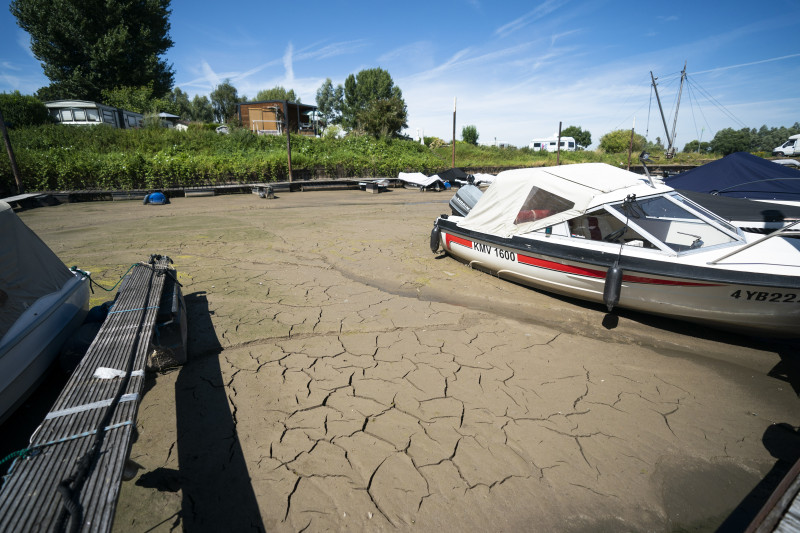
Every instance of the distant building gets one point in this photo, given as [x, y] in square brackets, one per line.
[272, 117]
[83, 113]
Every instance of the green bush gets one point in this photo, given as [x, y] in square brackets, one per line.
[20, 110]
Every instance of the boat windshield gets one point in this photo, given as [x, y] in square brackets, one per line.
[670, 220]
[541, 204]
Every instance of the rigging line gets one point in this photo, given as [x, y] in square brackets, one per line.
[649, 107]
[721, 107]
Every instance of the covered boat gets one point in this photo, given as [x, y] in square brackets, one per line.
[41, 303]
[601, 234]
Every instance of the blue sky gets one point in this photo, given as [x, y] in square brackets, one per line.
[517, 68]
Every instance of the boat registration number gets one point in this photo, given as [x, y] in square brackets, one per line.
[762, 296]
[491, 250]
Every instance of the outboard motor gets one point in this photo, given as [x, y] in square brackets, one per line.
[465, 199]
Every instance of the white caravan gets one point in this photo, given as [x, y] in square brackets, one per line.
[551, 145]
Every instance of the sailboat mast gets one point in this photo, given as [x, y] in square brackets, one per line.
[671, 149]
[660, 109]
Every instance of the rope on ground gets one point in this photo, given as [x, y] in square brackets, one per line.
[93, 282]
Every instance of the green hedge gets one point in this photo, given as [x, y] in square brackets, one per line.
[56, 157]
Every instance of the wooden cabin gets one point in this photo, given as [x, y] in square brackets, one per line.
[270, 117]
[85, 113]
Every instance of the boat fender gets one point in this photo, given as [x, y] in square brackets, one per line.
[613, 286]
[435, 237]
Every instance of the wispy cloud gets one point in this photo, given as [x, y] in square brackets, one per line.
[24, 41]
[287, 63]
[541, 11]
[751, 63]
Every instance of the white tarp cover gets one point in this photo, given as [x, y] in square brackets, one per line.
[587, 185]
[418, 178]
[28, 268]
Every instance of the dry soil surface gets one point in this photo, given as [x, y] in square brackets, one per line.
[343, 377]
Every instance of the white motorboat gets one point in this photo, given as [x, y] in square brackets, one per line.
[42, 303]
[602, 234]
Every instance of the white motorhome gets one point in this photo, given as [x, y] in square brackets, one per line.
[551, 145]
[790, 147]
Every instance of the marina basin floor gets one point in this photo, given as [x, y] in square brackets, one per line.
[343, 377]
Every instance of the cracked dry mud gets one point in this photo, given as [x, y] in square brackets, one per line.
[342, 377]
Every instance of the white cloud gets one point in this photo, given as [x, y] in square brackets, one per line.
[544, 9]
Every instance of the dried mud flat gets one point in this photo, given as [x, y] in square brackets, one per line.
[342, 377]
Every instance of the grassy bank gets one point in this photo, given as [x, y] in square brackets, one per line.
[55, 157]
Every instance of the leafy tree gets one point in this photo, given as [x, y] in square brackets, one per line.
[139, 99]
[728, 141]
[277, 93]
[371, 85]
[201, 110]
[382, 118]
[181, 103]
[223, 101]
[617, 142]
[329, 102]
[582, 138]
[86, 47]
[22, 110]
[697, 146]
[469, 134]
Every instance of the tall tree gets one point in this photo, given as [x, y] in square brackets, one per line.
[583, 138]
[728, 141]
[180, 101]
[366, 87]
[329, 102]
[223, 101]
[469, 134]
[277, 93]
[202, 111]
[86, 47]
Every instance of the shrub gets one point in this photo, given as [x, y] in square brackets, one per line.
[21, 110]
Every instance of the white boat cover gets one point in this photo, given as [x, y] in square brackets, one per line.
[418, 178]
[585, 186]
[28, 268]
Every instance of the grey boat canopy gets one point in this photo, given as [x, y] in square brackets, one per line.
[28, 268]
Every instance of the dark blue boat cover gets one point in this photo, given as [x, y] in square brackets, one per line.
[741, 175]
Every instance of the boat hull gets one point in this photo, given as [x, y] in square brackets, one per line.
[32, 344]
[755, 304]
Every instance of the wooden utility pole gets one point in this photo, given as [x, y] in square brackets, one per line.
[558, 153]
[14, 167]
[288, 139]
[630, 144]
[454, 132]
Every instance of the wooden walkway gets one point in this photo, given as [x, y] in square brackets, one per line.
[71, 481]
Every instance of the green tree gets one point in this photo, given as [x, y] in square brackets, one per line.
[382, 118]
[371, 85]
[617, 142]
[696, 146]
[181, 103]
[728, 141]
[469, 134]
[329, 102]
[582, 138]
[86, 47]
[202, 110]
[138, 99]
[22, 110]
[223, 101]
[277, 93]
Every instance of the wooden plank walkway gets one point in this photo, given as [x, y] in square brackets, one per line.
[71, 482]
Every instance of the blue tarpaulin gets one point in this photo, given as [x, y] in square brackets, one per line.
[741, 175]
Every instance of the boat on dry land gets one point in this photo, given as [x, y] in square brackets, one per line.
[602, 234]
[42, 303]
